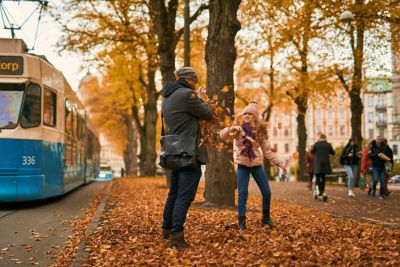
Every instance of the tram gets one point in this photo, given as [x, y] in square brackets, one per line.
[48, 146]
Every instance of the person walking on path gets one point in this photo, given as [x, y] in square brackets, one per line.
[251, 142]
[322, 164]
[366, 170]
[389, 166]
[378, 154]
[350, 158]
[182, 110]
[310, 167]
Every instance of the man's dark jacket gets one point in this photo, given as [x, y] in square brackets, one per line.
[373, 154]
[182, 110]
[321, 151]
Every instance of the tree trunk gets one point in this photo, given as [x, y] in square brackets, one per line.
[395, 29]
[356, 105]
[220, 60]
[130, 153]
[164, 17]
[302, 137]
[148, 154]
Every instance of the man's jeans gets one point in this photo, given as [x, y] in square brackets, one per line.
[351, 171]
[182, 191]
[242, 178]
[378, 174]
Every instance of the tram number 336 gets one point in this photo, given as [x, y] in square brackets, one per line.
[28, 160]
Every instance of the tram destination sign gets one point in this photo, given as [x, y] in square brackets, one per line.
[11, 65]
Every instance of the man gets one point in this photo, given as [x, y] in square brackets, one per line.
[389, 166]
[310, 167]
[322, 164]
[182, 110]
[378, 154]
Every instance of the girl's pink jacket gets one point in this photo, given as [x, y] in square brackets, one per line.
[264, 147]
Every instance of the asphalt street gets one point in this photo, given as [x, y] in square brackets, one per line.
[35, 232]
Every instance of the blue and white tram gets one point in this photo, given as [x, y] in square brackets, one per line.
[47, 144]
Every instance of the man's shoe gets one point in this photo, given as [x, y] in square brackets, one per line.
[166, 233]
[351, 193]
[266, 219]
[381, 197]
[178, 241]
[242, 223]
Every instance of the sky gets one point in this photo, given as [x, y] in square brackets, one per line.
[47, 37]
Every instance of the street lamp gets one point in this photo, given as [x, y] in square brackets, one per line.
[346, 16]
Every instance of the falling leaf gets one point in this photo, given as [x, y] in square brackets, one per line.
[226, 88]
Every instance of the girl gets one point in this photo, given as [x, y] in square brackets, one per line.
[251, 135]
[350, 157]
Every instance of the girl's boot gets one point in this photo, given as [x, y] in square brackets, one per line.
[266, 219]
[242, 223]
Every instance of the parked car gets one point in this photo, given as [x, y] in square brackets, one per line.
[394, 179]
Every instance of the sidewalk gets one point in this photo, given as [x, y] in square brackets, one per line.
[361, 207]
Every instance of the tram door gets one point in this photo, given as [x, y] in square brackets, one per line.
[73, 174]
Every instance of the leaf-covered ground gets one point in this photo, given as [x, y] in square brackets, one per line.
[130, 234]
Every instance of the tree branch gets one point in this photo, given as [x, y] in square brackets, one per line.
[179, 33]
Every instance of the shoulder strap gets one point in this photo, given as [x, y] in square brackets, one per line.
[162, 125]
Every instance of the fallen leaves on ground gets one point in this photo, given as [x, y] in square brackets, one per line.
[130, 234]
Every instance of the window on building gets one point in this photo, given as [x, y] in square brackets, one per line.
[276, 147]
[50, 108]
[330, 130]
[370, 117]
[286, 131]
[341, 114]
[319, 129]
[31, 111]
[342, 130]
[275, 131]
[286, 148]
[381, 99]
[381, 116]
[395, 150]
[371, 134]
[370, 101]
[330, 114]
[318, 113]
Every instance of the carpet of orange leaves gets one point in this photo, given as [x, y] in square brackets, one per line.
[130, 234]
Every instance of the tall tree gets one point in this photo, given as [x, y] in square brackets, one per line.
[105, 26]
[220, 60]
[299, 28]
[164, 15]
[368, 19]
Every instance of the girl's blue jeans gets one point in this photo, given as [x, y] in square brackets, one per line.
[242, 179]
[351, 171]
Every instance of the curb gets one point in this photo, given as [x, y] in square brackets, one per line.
[81, 254]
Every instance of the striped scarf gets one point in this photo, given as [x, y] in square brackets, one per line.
[248, 146]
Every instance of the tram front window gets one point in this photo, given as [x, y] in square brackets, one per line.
[11, 96]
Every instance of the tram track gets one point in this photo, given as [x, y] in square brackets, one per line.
[7, 215]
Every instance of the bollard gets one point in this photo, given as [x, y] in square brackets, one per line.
[340, 180]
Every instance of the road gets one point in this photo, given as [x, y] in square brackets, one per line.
[35, 232]
[361, 207]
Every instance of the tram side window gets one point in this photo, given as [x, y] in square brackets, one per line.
[31, 114]
[68, 118]
[50, 108]
[75, 123]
